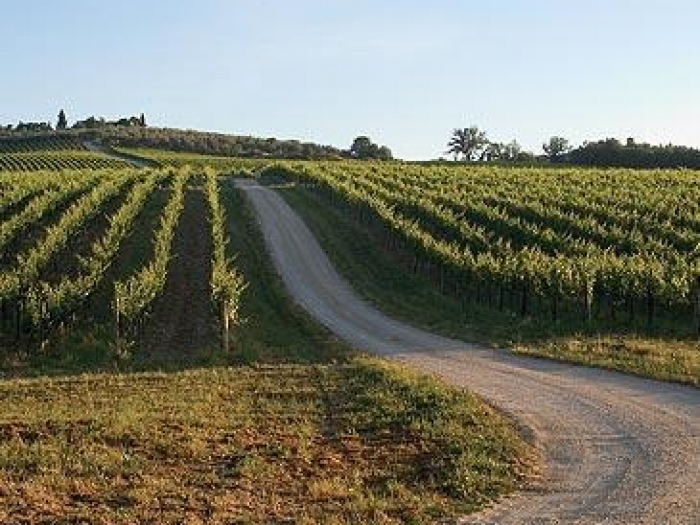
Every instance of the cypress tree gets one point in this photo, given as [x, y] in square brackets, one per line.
[62, 121]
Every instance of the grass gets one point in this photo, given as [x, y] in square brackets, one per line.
[166, 154]
[663, 359]
[291, 427]
[377, 276]
[180, 158]
[274, 330]
[363, 441]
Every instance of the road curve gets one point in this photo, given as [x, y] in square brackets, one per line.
[616, 449]
[107, 151]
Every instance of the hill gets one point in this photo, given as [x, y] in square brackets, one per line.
[189, 141]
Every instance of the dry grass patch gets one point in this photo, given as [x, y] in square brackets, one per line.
[363, 441]
[663, 359]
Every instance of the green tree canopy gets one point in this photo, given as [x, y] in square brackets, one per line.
[556, 148]
[363, 148]
[467, 143]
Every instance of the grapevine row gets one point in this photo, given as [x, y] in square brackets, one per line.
[32, 262]
[557, 271]
[531, 216]
[39, 143]
[227, 283]
[49, 303]
[134, 296]
[39, 207]
[63, 161]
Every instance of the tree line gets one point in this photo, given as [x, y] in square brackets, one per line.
[217, 144]
[611, 152]
[62, 124]
[469, 144]
[472, 145]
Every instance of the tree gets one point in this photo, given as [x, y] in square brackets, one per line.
[493, 151]
[512, 151]
[467, 142]
[384, 153]
[62, 121]
[33, 127]
[363, 148]
[556, 148]
[142, 120]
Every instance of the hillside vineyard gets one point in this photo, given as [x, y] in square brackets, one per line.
[613, 248]
[61, 232]
[51, 153]
[618, 246]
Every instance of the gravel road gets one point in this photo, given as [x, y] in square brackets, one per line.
[114, 154]
[616, 449]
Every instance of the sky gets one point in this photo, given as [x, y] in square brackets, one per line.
[404, 72]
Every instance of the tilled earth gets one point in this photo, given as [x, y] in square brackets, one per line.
[183, 321]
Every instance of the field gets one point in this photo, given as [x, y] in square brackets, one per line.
[540, 260]
[282, 443]
[116, 388]
[544, 243]
[38, 153]
[177, 159]
[273, 263]
[154, 368]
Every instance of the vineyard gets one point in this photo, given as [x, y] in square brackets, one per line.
[41, 143]
[128, 260]
[78, 160]
[166, 272]
[200, 161]
[61, 233]
[51, 153]
[621, 248]
[610, 248]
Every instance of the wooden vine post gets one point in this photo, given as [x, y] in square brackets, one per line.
[226, 325]
[697, 305]
[117, 319]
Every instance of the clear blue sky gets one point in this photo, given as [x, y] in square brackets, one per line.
[404, 72]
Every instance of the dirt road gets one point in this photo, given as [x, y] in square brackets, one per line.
[616, 449]
[114, 154]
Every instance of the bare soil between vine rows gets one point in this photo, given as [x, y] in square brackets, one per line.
[182, 325]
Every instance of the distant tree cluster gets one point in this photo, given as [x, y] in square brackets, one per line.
[30, 127]
[471, 145]
[133, 132]
[100, 123]
[611, 152]
[62, 124]
[556, 149]
[363, 148]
